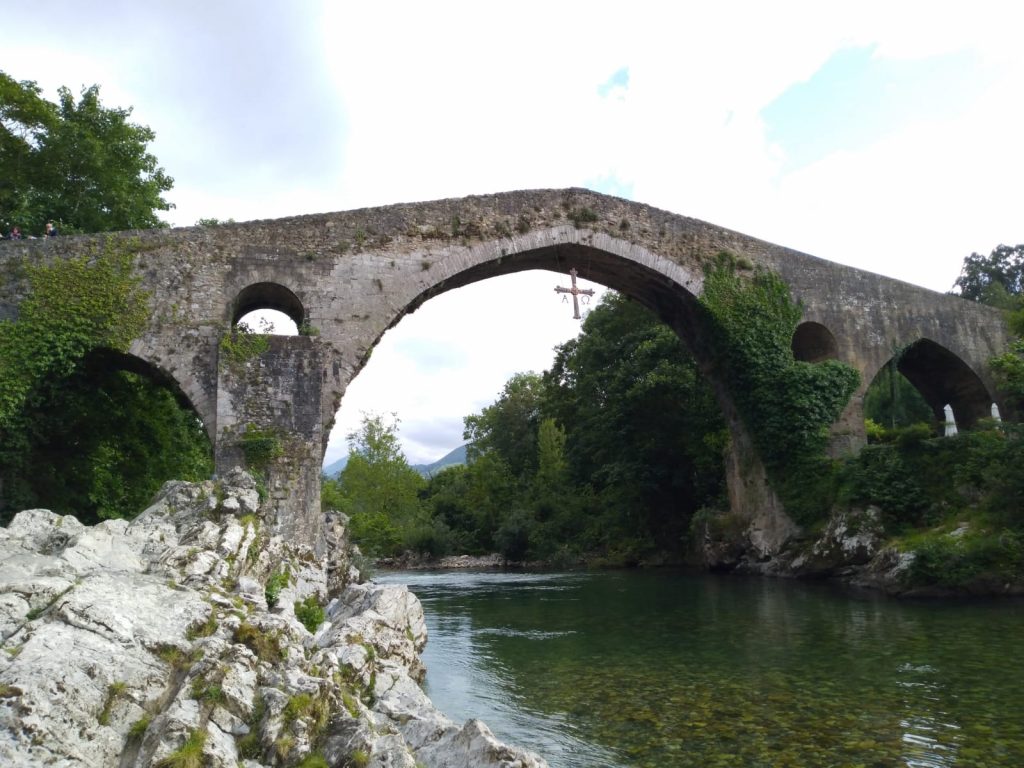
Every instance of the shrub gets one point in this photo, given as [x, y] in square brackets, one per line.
[266, 646]
[275, 584]
[309, 612]
[189, 755]
[955, 562]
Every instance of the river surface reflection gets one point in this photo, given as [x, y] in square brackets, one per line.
[665, 668]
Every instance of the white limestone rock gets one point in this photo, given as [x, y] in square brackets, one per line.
[122, 641]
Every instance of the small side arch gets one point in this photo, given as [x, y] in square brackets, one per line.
[267, 296]
[813, 343]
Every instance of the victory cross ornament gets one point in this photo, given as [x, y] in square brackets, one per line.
[576, 293]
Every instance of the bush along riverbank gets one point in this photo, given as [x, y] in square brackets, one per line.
[911, 514]
[193, 635]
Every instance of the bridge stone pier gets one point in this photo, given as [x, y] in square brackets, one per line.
[350, 276]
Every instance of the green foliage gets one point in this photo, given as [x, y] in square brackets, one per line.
[205, 628]
[378, 489]
[241, 345]
[892, 401]
[509, 425]
[580, 216]
[274, 585]
[72, 307]
[78, 434]
[359, 758]
[208, 691]
[260, 446]
[188, 755]
[139, 727]
[114, 691]
[1009, 372]
[313, 760]
[996, 279]
[249, 746]
[265, 645]
[918, 480]
[513, 535]
[956, 562]
[596, 457]
[82, 165]
[310, 613]
[786, 404]
[880, 476]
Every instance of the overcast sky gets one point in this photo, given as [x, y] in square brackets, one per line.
[882, 135]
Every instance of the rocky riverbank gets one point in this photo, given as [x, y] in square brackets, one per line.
[854, 549]
[191, 636]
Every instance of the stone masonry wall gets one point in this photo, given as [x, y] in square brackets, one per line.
[357, 273]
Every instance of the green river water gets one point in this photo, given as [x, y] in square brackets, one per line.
[664, 668]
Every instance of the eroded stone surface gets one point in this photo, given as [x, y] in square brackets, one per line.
[123, 641]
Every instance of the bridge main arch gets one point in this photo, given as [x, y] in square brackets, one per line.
[671, 290]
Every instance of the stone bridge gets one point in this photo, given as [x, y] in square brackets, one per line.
[350, 276]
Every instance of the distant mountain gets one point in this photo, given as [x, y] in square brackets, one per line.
[334, 468]
[457, 456]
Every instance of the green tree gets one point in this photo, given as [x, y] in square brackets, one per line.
[82, 165]
[996, 279]
[378, 489]
[509, 425]
[892, 401]
[643, 430]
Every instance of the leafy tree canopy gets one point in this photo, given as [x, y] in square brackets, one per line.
[83, 166]
[378, 489]
[996, 279]
[509, 425]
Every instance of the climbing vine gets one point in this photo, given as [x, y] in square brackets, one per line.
[73, 306]
[786, 404]
[78, 435]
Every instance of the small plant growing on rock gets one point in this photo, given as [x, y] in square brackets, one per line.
[260, 446]
[188, 755]
[204, 690]
[360, 758]
[138, 729]
[310, 613]
[580, 216]
[249, 746]
[277, 582]
[203, 629]
[114, 691]
[313, 760]
[266, 646]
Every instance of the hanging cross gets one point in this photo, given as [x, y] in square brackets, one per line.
[576, 293]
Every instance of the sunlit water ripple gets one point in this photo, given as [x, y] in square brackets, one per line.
[617, 669]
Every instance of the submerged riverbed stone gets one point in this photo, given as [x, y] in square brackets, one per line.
[129, 643]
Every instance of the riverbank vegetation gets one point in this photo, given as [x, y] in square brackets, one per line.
[595, 460]
[611, 455]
